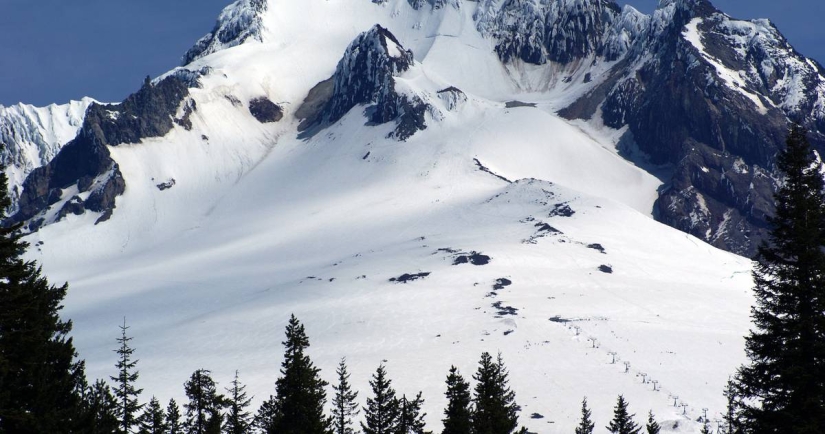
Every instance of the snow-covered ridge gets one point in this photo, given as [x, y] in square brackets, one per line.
[33, 135]
[237, 23]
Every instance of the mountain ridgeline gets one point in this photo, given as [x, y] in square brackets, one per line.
[702, 100]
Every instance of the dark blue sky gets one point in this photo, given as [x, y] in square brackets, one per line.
[57, 50]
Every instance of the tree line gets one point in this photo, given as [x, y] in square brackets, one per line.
[43, 387]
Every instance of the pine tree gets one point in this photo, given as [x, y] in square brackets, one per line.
[652, 426]
[344, 407]
[173, 418]
[300, 396]
[410, 417]
[705, 428]
[127, 395]
[238, 419]
[203, 411]
[731, 417]
[41, 382]
[622, 422]
[782, 390]
[458, 414]
[381, 413]
[586, 425]
[152, 421]
[496, 411]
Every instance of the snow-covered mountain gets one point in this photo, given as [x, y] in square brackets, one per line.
[32, 136]
[422, 180]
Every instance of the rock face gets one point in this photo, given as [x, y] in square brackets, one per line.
[365, 76]
[32, 136]
[264, 110]
[560, 31]
[237, 23]
[84, 165]
[710, 98]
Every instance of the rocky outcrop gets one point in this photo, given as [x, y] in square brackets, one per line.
[31, 136]
[239, 22]
[84, 165]
[365, 76]
[711, 97]
[559, 31]
[265, 111]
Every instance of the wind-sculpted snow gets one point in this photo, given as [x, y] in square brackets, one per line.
[237, 23]
[32, 136]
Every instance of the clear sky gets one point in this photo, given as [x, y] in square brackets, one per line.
[57, 50]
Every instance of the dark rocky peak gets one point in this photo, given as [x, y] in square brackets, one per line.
[236, 24]
[561, 31]
[85, 162]
[434, 4]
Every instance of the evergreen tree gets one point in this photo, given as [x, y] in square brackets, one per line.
[300, 396]
[238, 419]
[622, 422]
[99, 410]
[496, 411]
[458, 414]
[705, 428]
[586, 425]
[344, 407]
[782, 388]
[731, 417]
[203, 411]
[410, 417]
[152, 421]
[652, 426]
[127, 395]
[41, 382]
[382, 412]
[173, 418]
[267, 416]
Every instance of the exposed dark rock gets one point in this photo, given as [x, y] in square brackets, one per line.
[483, 168]
[544, 227]
[473, 257]
[72, 206]
[504, 310]
[365, 76]
[536, 416]
[311, 110]
[265, 111]
[562, 210]
[404, 278]
[559, 319]
[501, 283]
[606, 269]
[233, 100]
[166, 184]
[86, 162]
[596, 246]
[453, 97]
[185, 120]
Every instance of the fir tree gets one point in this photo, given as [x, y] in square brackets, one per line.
[344, 407]
[381, 413]
[496, 411]
[267, 416]
[782, 390]
[586, 425]
[100, 410]
[152, 421]
[300, 396]
[731, 416]
[705, 428]
[458, 414]
[125, 392]
[238, 419]
[410, 417]
[41, 382]
[173, 418]
[652, 426]
[622, 422]
[203, 411]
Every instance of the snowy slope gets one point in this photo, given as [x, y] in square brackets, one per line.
[258, 222]
[34, 135]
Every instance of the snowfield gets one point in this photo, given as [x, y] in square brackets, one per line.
[259, 224]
